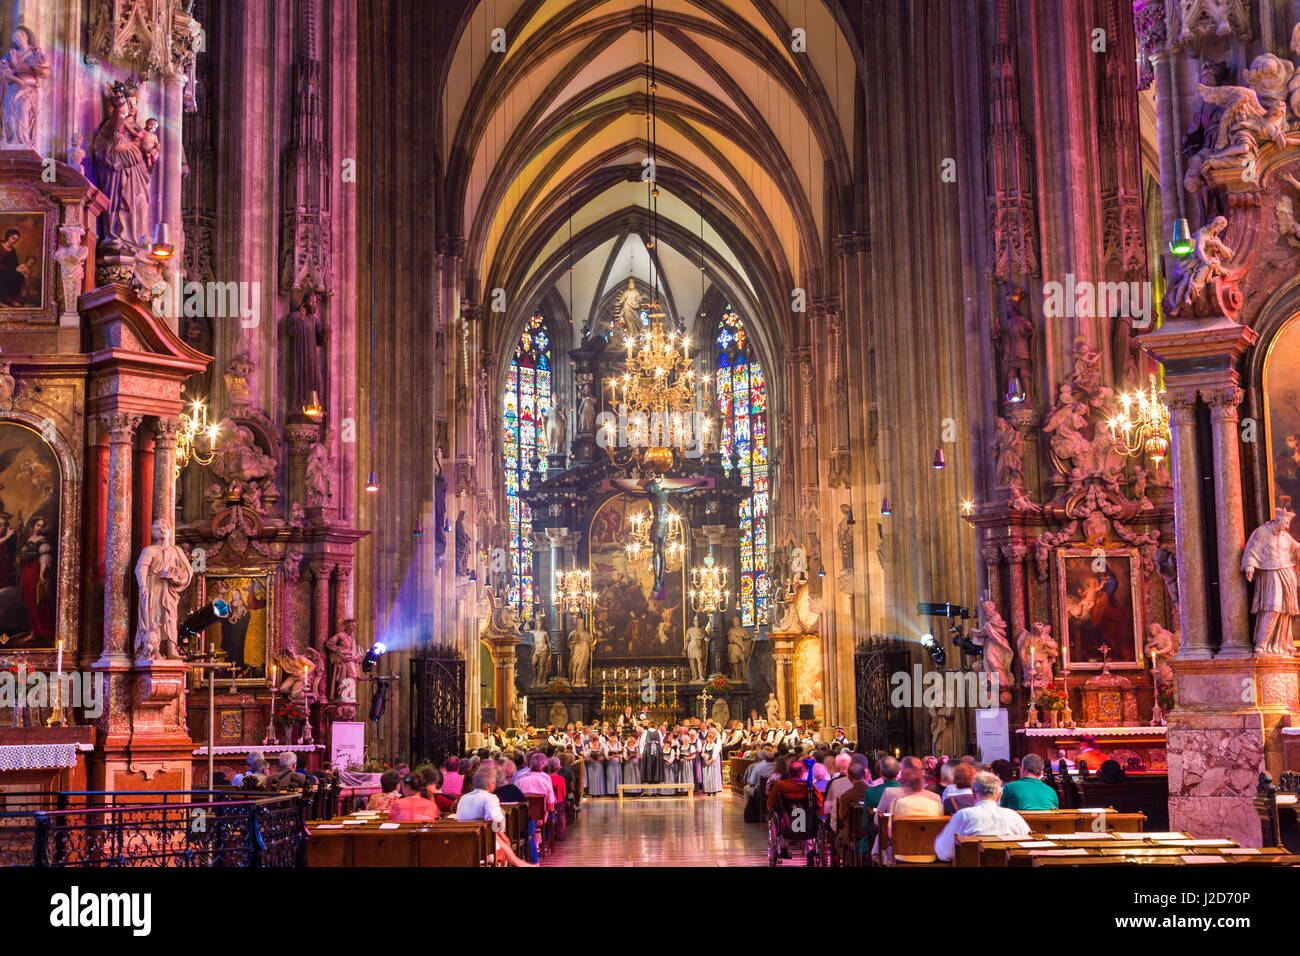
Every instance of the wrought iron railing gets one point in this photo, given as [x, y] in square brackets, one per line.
[268, 831]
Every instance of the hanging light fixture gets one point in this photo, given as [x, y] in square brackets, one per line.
[1182, 243]
[313, 407]
[938, 460]
[418, 530]
[195, 433]
[1142, 426]
[161, 247]
[1015, 389]
[572, 591]
[372, 482]
[885, 509]
[708, 593]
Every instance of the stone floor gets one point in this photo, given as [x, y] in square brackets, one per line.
[663, 831]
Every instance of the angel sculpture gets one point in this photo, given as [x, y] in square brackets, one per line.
[997, 657]
[1161, 645]
[1193, 272]
[1244, 125]
[1038, 651]
[1009, 453]
[1065, 424]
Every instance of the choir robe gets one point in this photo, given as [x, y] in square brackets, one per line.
[652, 757]
[712, 773]
[594, 769]
[632, 762]
[613, 766]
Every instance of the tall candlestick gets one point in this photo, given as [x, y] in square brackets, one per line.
[59, 665]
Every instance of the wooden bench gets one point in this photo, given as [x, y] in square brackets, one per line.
[425, 844]
[913, 836]
[689, 788]
[1100, 820]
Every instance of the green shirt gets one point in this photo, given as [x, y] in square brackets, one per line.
[872, 799]
[1027, 793]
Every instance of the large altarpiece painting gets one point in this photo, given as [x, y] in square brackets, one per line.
[629, 623]
[30, 508]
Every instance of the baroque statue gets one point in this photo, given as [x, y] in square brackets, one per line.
[1015, 342]
[306, 334]
[580, 647]
[301, 677]
[318, 476]
[586, 410]
[1038, 651]
[21, 72]
[556, 428]
[1009, 454]
[1162, 644]
[162, 572]
[462, 545]
[695, 650]
[541, 651]
[1193, 272]
[123, 172]
[737, 649]
[1270, 562]
[773, 710]
[345, 668]
[998, 656]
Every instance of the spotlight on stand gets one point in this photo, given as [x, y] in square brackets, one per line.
[379, 701]
[201, 620]
[934, 649]
[371, 660]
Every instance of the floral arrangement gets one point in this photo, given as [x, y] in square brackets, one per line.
[1165, 696]
[718, 684]
[1051, 699]
[559, 687]
[289, 713]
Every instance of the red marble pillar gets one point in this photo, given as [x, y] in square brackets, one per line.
[163, 498]
[117, 559]
[320, 591]
[1015, 555]
[342, 595]
[142, 491]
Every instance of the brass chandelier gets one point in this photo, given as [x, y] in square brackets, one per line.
[640, 546]
[657, 392]
[194, 433]
[1142, 426]
[572, 591]
[708, 593]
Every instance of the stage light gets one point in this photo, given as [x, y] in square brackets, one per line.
[418, 530]
[371, 660]
[204, 618]
[379, 701]
[1182, 243]
[161, 247]
[934, 649]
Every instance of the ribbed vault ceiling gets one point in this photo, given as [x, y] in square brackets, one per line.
[547, 142]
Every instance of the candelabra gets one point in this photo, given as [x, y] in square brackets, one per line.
[572, 591]
[708, 592]
[194, 427]
[1142, 424]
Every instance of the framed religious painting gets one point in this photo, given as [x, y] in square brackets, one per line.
[1099, 607]
[1281, 391]
[630, 623]
[31, 486]
[249, 636]
[23, 248]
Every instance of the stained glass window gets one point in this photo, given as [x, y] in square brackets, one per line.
[523, 421]
[742, 407]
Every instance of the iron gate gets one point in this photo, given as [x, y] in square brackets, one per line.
[880, 726]
[437, 704]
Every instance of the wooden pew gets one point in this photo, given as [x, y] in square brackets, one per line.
[856, 832]
[914, 836]
[1080, 821]
[425, 844]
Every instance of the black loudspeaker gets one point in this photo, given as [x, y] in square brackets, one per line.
[805, 711]
[489, 716]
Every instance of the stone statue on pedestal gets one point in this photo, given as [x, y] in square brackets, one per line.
[1271, 556]
[462, 545]
[1038, 653]
[345, 658]
[318, 476]
[306, 334]
[163, 571]
[541, 651]
[1162, 644]
[123, 173]
[737, 649]
[695, 650]
[21, 70]
[580, 647]
[773, 710]
[557, 427]
[997, 658]
[586, 410]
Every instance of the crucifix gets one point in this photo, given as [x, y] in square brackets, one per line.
[1104, 650]
[704, 699]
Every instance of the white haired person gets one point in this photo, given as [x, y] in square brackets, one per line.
[256, 772]
[985, 818]
[481, 803]
[288, 777]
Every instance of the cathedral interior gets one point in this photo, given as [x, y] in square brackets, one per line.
[379, 379]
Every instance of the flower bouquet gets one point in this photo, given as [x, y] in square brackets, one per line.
[719, 684]
[559, 687]
[288, 714]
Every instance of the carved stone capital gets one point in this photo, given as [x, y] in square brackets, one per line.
[451, 245]
[992, 555]
[121, 427]
[1223, 402]
[165, 431]
[1181, 405]
[1015, 553]
[320, 571]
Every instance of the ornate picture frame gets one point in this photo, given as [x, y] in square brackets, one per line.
[24, 261]
[253, 629]
[1095, 607]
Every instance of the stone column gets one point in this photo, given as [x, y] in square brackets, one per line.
[1188, 533]
[993, 564]
[164, 469]
[170, 200]
[320, 594]
[1015, 554]
[503, 657]
[117, 560]
[559, 639]
[783, 654]
[342, 595]
[1229, 520]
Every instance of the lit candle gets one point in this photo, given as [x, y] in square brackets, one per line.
[1153, 662]
[58, 667]
[603, 674]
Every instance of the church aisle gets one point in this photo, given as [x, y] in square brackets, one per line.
[663, 831]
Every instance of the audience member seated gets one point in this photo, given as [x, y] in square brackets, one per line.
[413, 805]
[857, 790]
[913, 801]
[889, 767]
[256, 770]
[893, 795]
[1029, 792]
[985, 818]
[836, 785]
[943, 781]
[433, 787]
[794, 785]
[482, 803]
[536, 780]
[1110, 771]
[389, 794]
[960, 795]
[288, 777]
[453, 784]
[1005, 769]
[506, 791]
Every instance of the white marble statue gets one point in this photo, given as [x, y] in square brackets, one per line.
[580, 647]
[345, 667]
[76, 154]
[163, 571]
[1193, 272]
[737, 649]
[773, 710]
[1038, 651]
[21, 70]
[586, 410]
[998, 656]
[695, 650]
[556, 428]
[1163, 644]
[71, 259]
[541, 653]
[1270, 562]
